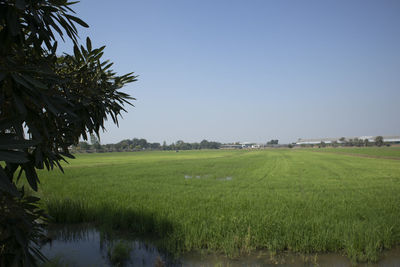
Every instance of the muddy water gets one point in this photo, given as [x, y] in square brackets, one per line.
[83, 245]
[264, 258]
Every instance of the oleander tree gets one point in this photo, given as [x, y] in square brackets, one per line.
[48, 102]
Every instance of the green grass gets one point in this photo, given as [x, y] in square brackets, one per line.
[389, 152]
[119, 253]
[281, 199]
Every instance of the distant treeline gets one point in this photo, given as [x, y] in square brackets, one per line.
[138, 144]
[378, 141]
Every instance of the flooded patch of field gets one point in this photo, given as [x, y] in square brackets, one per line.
[197, 176]
[227, 178]
[83, 245]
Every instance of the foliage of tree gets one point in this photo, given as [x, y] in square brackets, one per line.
[142, 144]
[209, 145]
[48, 102]
[379, 141]
[273, 142]
[366, 142]
[95, 142]
[350, 142]
[360, 143]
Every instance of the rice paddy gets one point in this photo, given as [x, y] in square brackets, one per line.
[235, 201]
[377, 152]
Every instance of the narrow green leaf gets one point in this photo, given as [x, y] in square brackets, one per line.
[2, 75]
[71, 3]
[13, 156]
[20, 4]
[6, 185]
[20, 105]
[84, 52]
[77, 53]
[12, 21]
[10, 122]
[77, 20]
[9, 142]
[34, 82]
[108, 66]
[21, 81]
[88, 44]
[31, 176]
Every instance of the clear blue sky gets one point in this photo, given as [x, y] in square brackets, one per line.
[252, 70]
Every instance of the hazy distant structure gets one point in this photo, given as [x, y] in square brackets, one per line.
[243, 145]
[386, 139]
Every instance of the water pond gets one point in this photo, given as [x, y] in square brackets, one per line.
[84, 245]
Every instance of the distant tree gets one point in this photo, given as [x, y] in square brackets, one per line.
[322, 144]
[124, 144]
[214, 145]
[356, 141]
[379, 141]
[334, 143]
[360, 143]
[290, 146]
[172, 146]
[342, 141]
[350, 142]
[195, 146]
[273, 142]
[366, 142]
[155, 146]
[179, 145]
[117, 146]
[133, 143]
[93, 139]
[143, 143]
[186, 146]
[108, 147]
[95, 142]
[204, 144]
[84, 146]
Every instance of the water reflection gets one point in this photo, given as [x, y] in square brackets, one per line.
[83, 245]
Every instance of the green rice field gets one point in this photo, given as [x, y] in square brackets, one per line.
[236, 201]
[378, 152]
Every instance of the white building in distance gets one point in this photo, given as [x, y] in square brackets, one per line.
[386, 139]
